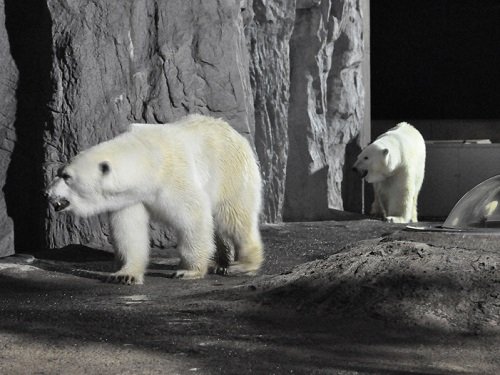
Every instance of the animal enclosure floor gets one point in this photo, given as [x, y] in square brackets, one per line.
[336, 297]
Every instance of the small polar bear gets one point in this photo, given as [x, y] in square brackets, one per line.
[197, 175]
[394, 163]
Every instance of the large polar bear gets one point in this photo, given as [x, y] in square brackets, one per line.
[395, 163]
[197, 175]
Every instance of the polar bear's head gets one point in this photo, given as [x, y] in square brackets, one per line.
[373, 163]
[102, 179]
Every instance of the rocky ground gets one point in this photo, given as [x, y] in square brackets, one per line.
[336, 297]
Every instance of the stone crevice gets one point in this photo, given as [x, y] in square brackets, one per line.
[27, 29]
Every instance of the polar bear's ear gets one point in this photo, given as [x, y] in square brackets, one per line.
[104, 167]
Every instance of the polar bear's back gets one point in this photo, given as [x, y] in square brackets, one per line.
[191, 132]
[207, 151]
[193, 135]
[408, 140]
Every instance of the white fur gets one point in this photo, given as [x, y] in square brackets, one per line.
[395, 164]
[197, 175]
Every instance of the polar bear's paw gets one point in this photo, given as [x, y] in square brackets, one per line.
[125, 278]
[396, 219]
[218, 270]
[242, 269]
[235, 269]
[187, 274]
[214, 268]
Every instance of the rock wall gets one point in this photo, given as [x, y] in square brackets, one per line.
[269, 40]
[326, 105]
[285, 73]
[8, 84]
[139, 61]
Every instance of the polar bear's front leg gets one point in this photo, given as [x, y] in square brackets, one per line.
[401, 204]
[396, 219]
[377, 208]
[414, 213]
[130, 232]
[195, 232]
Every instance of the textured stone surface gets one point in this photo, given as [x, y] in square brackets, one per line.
[269, 38]
[326, 105]
[8, 84]
[403, 283]
[139, 61]
[286, 74]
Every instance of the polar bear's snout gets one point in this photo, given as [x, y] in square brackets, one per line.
[55, 198]
[362, 172]
[60, 204]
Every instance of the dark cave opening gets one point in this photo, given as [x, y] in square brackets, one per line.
[29, 30]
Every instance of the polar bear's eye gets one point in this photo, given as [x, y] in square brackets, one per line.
[63, 174]
[66, 177]
[366, 157]
[104, 167]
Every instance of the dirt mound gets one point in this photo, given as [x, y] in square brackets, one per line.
[402, 282]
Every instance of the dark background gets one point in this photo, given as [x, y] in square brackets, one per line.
[435, 59]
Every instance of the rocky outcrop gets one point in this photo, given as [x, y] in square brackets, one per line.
[269, 39]
[326, 104]
[8, 84]
[139, 61]
[286, 74]
[402, 283]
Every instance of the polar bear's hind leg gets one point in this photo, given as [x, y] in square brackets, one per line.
[249, 254]
[240, 223]
[224, 255]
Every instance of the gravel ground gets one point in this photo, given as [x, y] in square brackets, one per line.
[336, 297]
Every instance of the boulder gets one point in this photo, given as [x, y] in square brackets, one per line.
[402, 283]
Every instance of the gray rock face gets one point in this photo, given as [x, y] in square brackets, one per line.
[285, 73]
[326, 105]
[139, 61]
[269, 39]
[8, 84]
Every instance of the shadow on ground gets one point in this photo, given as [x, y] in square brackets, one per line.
[357, 307]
